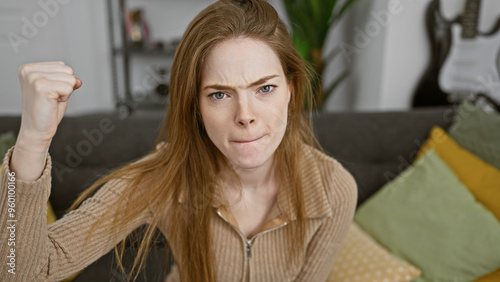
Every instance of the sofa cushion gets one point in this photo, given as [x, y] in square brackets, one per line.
[478, 132]
[430, 219]
[105, 269]
[89, 146]
[376, 147]
[363, 259]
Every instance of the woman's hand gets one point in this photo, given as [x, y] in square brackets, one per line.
[46, 88]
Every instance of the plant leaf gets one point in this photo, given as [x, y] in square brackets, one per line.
[311, 21]
[333, 53]
[329, 90]
[302, 46]
[304, 27]
[344, 8]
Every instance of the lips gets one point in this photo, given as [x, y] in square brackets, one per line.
[247, 140]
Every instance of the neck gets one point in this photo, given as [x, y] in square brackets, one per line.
[253, 179]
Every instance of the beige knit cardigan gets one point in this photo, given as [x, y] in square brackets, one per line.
[53, 252]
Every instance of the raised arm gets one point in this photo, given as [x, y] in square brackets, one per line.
[29, 249]
[46, 88]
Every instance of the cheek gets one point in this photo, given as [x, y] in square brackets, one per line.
[213, 122]
[205, 118]
[277, 116]
[282, 109]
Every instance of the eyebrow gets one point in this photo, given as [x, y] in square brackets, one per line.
[253, 84]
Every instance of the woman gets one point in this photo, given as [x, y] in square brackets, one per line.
[235, 182]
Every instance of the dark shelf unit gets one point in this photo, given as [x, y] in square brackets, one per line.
[121, 50]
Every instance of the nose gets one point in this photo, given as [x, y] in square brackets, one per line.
[245, 114]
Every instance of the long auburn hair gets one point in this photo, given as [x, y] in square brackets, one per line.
[189, 164]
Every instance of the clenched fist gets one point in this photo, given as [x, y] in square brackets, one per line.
[46, 88]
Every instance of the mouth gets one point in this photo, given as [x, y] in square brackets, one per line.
[247, 141]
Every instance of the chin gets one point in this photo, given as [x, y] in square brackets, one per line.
[249, 162]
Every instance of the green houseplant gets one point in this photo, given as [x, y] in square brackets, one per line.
[311, 21]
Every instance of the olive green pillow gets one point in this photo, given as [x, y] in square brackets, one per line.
[478, 132]
[427, 217]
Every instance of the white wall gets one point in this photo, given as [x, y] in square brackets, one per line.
[364, 64]
[405, 54]
[56, 33]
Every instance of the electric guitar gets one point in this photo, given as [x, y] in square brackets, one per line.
[465, 62]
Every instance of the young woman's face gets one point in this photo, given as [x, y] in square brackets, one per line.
[244, 99]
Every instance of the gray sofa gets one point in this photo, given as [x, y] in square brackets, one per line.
[374, 147]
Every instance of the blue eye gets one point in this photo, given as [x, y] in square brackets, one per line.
[218, 95]
[267, 88]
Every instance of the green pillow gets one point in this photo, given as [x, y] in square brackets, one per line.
[478, 132]
[430, 219]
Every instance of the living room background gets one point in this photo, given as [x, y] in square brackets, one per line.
[383, 75]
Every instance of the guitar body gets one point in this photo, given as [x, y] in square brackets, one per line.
[428, 92]
[472, 66]
[464, 62]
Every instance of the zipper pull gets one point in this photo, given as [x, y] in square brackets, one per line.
[249, 250]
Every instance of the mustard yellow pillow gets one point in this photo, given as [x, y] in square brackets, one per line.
[51, 216]
[492, 277]
[363, 259]
[481, 178]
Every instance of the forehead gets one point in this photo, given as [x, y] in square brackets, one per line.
[240, 60]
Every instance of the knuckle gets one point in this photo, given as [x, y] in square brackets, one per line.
[68, 69]
[24, 69]
[32, 78]
[39, 85]
[63, 88]
[68, 89]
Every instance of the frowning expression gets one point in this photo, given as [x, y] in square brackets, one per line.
[244, 98]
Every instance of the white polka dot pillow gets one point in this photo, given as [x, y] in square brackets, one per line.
[363, 259]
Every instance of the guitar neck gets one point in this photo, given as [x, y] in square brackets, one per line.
[470, 18]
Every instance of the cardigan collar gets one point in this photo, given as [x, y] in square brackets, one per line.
[313, 190]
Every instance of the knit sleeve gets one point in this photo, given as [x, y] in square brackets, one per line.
[34, 251]
[325, 244]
